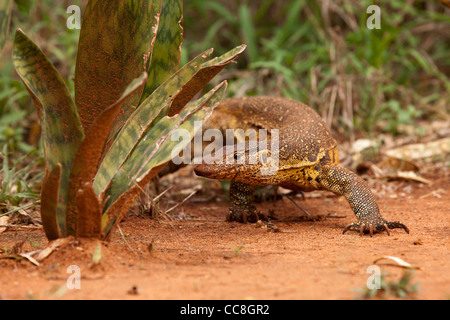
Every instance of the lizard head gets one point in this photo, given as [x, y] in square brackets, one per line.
[241, 162]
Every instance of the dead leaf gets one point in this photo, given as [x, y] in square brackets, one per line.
[364, 150]
[29, 257]
[398, 262]
[394, 168]
[410, 175]
[436, 193]
[421, 150]
[3, 223]
[52, 246]
[396, 164]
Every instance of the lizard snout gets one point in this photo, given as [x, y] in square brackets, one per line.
[201, 170]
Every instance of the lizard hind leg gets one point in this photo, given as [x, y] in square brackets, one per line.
[242, 209]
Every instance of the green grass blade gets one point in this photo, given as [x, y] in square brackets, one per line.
[167, 49]
[249, 32]
[116, 40]
[5, 16]
[61, 127]
[208, 71]
[7, 174]
[142, 119]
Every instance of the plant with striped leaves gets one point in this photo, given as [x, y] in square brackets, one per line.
[102, 146]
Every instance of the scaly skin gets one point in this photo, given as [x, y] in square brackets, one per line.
[308, 160]
[344, 182]
[241, 197]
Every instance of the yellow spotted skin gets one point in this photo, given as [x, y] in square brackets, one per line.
[308, 160]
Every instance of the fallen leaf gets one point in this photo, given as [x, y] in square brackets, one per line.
[3, 223]
[398, 262]
[396, 164]
[29, 257]
[52, 246]
[436, 193]
[421, 150]
[409, 175]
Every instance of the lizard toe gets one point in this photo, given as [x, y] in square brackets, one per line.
[375, 227]
[397, 224]
[243, 215]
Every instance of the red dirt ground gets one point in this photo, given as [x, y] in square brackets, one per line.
[195, 254]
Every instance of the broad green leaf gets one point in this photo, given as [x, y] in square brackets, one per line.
[158, 149]
[116, 41]
[167, 49]
[199, 111]
[140, 121]
[5, 16]
[115, 213]
[204, 75]
[49, 202]
[90, 151]
[142, 157]
[61, 127]
[89, 222]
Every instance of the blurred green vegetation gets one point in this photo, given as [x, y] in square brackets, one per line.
[363, 82]
[21, 153]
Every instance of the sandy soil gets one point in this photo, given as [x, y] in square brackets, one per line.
[195, 254]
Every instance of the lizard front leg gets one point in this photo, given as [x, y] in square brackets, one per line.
[342, 181]
[241, 196]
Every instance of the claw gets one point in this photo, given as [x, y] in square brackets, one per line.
[387, 229]
[244, 217]
[378, 227]
[393, 225]
[348, 228]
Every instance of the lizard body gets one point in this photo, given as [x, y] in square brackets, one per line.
[307, 159]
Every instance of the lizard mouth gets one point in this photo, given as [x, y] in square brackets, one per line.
[202, 171]
[212, 172]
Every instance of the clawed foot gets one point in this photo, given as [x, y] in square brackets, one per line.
[374, 227]
[243, 215]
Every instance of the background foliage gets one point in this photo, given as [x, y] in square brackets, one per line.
[363, 82]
